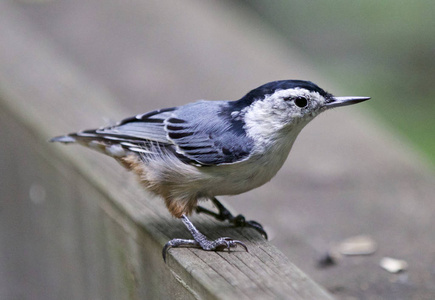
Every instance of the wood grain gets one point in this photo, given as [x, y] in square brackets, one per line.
[101, 234]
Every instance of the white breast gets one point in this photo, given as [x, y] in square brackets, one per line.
[260, 168]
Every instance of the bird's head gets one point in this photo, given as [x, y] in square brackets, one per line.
[285, 105]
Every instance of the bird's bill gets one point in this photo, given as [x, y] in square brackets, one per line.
[343, 101]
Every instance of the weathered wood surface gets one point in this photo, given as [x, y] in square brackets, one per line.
[77, 226]
[345, 176]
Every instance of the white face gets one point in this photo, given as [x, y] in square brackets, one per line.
[282, 111]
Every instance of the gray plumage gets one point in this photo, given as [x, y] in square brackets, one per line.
[194, 132]
[210, 148]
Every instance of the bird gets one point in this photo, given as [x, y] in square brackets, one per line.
[205, 149]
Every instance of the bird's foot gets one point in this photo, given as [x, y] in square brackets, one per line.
[225, 215]
[240, 221]
[216, 245]
[200, 240]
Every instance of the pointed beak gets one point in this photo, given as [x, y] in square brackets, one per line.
[343, 101]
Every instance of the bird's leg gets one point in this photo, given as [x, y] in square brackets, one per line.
[200, 240]
[225, 214]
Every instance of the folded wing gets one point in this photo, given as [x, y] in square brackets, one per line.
[201, 133]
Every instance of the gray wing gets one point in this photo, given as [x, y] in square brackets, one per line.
[206, 133]
[200, 133]
[141, 128]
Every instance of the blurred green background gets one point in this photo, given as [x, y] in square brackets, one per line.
[394, 62]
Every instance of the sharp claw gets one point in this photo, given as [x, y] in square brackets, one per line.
[257, 226]
[176, 243]
[241, 244]
[233, 244]
[262, 232]
[255, 223]
[165, 249]
[226, 242]
[200, 240]
[238, 221]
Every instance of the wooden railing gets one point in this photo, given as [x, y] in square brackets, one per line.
[77, 225]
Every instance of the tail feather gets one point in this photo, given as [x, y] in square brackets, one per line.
[116, 145]
[82, 137]
[66, 139]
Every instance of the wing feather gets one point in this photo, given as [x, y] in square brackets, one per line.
[205, 132]
[202, 133]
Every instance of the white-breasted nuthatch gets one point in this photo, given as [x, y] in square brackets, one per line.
[210, 148]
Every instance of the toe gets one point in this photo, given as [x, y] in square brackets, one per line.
[176, 243]
[236, 242]
[257, 226]
[229, 243]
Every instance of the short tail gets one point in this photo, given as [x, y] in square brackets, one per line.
[84, 137]
[66, 139]
[111, 146]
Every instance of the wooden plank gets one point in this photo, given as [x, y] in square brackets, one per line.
[43, 93]
[346, 175]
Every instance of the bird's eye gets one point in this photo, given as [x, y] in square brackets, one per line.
[301, 102]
